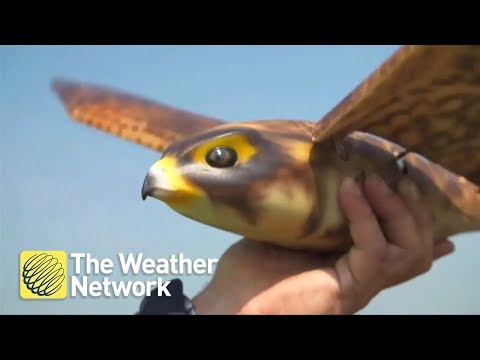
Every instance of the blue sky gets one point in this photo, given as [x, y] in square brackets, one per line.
[69, 187]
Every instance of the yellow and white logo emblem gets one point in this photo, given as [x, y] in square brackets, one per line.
[43, 275]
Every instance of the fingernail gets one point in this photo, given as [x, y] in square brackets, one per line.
[349, 185]
[377, 182]
[407, 188]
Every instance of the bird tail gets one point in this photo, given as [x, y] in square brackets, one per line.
[454, 199]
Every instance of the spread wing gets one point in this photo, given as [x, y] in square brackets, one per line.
[425, 98]
[130, 117]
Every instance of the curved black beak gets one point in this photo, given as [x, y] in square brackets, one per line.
[146, 188]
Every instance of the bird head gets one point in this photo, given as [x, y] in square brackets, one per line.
[251, 179]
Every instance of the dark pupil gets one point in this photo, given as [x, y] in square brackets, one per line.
[222, 157]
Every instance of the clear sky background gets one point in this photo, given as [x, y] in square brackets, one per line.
[69, 187]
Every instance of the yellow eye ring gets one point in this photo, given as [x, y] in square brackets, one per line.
[237, 143]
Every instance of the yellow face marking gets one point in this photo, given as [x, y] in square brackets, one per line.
[299, 150]
[279, 222]
[245, 150]
[182, 190]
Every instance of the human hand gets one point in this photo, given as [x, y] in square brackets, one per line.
[393, 243]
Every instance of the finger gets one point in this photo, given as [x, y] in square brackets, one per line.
[443, 248]
[412, 199]
[365, 230]
[398, 224]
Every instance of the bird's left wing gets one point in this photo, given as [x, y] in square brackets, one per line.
[130, 117]
[424, 98]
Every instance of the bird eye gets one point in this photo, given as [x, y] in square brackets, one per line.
[221, 157]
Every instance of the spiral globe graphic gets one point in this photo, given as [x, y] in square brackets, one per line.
[43, 274]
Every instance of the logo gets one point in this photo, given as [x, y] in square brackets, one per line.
[43, 275]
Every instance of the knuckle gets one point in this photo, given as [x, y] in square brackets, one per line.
[379, 249]
[395, 212]
[429, 221]
[424, 264]
[362, 221]
[366, 214]
[420, 262]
